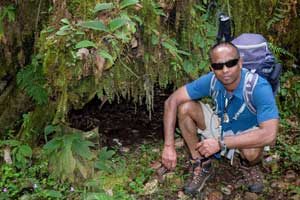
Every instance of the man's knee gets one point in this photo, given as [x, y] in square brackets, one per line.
[253, 156]
[185, 109]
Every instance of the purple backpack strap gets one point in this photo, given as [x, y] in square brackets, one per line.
[249, 85]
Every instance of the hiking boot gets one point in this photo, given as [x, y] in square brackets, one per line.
[253, 178]
[202, 171]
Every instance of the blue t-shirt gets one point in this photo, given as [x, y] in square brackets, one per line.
[263, 100]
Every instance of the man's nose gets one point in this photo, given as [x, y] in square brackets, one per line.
[225, 69]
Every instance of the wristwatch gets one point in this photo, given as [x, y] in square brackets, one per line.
[222, 145]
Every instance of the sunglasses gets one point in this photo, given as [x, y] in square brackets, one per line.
[229, 64]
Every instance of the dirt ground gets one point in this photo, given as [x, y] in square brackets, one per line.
[130, 125]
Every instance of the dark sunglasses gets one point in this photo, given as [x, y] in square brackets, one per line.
[229, 64]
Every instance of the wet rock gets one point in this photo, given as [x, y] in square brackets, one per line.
[215, 195]
[227, 190]
[151, 187]
[250, 196]
[290, 176]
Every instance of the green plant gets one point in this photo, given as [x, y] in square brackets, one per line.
[67, 153]
[33, 81]
[21, 153]
[105, 161]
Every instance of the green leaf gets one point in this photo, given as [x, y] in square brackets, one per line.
[183, 52]
[94, 24]
[103, 6]
[50, 129]
[105, 154]
[167, 45]
[82, 148]
[154, 39]
[105, 54]
[25, 150]
[53, 193]
[84, 44]
[126, 3]
[117, 23]
[53, 145]
[65, 21]
[188, 66]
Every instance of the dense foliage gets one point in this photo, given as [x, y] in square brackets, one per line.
[112, 50]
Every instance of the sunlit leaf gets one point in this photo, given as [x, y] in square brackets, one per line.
[103, 6]
[85, 44]
[65, 21]
[117, 23]
[61, 33]
[94, 24]
[126, 3]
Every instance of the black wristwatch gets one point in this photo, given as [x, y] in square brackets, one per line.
[222, 145]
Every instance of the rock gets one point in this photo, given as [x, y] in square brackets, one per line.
[290, 176]
[215, 195]
[250, 196]
[155, 165]
[179, 143]
[124, 149]
[279, 185]
[109, 192]
[155, 150]
[151, 187]
[182, 196]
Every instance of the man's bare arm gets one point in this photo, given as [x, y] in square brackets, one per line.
[169, 157]
[264, 135]
[170, 113]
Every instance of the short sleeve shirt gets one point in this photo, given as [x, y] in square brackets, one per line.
[240, 117]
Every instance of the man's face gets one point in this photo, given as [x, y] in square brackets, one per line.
[229, 75]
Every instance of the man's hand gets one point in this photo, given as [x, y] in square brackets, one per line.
[208, 147]
[169, 157]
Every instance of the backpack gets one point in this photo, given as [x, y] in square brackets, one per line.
[259, 60]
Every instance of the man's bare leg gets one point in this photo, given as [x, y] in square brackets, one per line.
[191, 117]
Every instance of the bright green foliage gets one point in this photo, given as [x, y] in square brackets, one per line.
[68, 153]
[21, 153]
[32, 80]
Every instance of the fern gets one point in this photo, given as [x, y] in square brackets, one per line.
[280, 51]
[281, 11]
[32, 80]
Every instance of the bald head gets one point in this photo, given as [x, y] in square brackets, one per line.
[222, 45]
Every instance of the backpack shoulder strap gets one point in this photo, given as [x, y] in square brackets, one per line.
[212, 90]
[249, 85]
